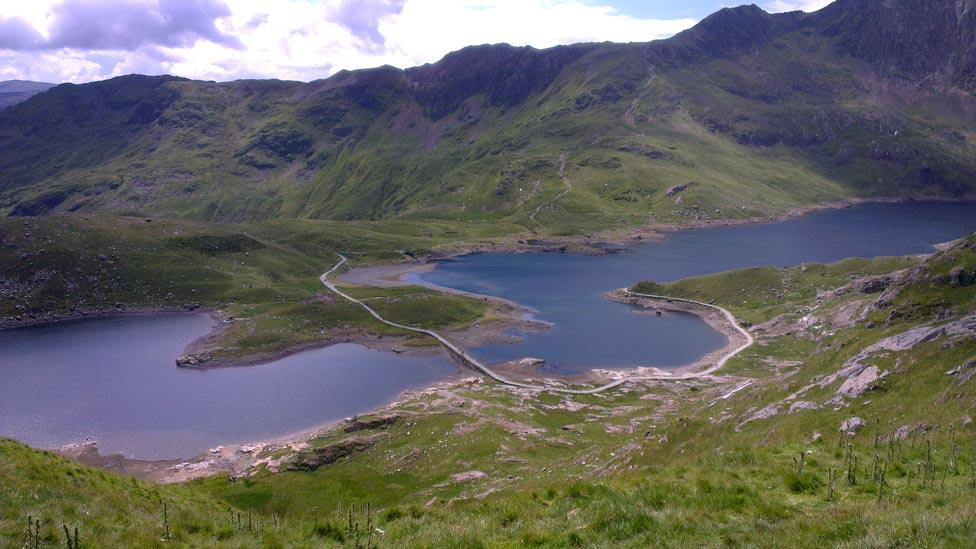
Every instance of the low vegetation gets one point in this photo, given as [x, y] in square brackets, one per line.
[720, 461]
[263, 278]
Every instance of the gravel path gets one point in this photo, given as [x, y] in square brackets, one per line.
[477, 365]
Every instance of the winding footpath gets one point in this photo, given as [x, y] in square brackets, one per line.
[477, 365]
[553, 200]
[728, 316]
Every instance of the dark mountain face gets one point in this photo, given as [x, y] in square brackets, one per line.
[735, 31]
[503, 75]
[865, 97]
[914, 39]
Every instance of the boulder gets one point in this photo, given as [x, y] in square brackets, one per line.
[858, 384]
[906, 431]
[803, 405]
[852, 425]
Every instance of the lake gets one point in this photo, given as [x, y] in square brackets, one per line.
[114, 380]
[589, 331]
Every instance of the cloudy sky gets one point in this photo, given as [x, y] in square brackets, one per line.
[84, 40]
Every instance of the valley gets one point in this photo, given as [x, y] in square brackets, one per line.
[717, 289]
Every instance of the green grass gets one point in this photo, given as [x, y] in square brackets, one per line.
[669, 465]
[790, 125]
[266, 277]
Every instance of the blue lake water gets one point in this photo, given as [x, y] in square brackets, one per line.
[113, 380]
[589, 331]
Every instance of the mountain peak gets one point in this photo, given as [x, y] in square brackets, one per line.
[733, 31]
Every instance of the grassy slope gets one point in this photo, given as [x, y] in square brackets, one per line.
[758, 130]
[667, 465]
[265, 276]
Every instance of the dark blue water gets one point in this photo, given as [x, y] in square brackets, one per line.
[591, 332]
[114, 380]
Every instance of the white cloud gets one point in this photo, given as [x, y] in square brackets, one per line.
[302, 40]
[808, 6]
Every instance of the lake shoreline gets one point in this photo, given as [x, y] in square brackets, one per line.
[240, 459]
[395, 272]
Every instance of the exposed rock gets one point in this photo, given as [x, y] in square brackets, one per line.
[964, 371]
[959, 276]
[311, 460]
[874, 285]
[467, 475]
[677, 189]
[767, 412]
[965, 420]
[190, 361]
[906, 431]
[856, 375]
[858, 384]
[803, 405]
[529, 362]
[375, 423]
[852, 425]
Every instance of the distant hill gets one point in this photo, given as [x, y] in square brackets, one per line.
[747, 113]
[16, 91]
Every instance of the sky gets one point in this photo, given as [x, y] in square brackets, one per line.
[85, 40]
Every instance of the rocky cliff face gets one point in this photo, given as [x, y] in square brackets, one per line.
[921, 40]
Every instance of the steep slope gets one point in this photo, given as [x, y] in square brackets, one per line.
[761, 112]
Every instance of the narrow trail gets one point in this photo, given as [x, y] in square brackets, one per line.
[477, 365]
[630, 115]
[728, 316]
[569, 187]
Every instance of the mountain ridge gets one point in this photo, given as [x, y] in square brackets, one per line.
[17, 91]
[481, 128]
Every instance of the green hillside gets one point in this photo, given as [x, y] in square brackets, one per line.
[701, 462]
[748, 114]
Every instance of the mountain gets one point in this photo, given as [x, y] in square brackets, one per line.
[17, 91]
[746, 114]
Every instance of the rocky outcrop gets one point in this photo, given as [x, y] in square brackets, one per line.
[852, 425]
[192, 360]
[310, 460]
[964, 372]
[960, 276]
[803, 405]
[858, 384]
[906, 431]
[906, 38]
[765, 413]
[370, 424]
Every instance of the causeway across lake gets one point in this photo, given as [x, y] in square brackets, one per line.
[114, 380]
